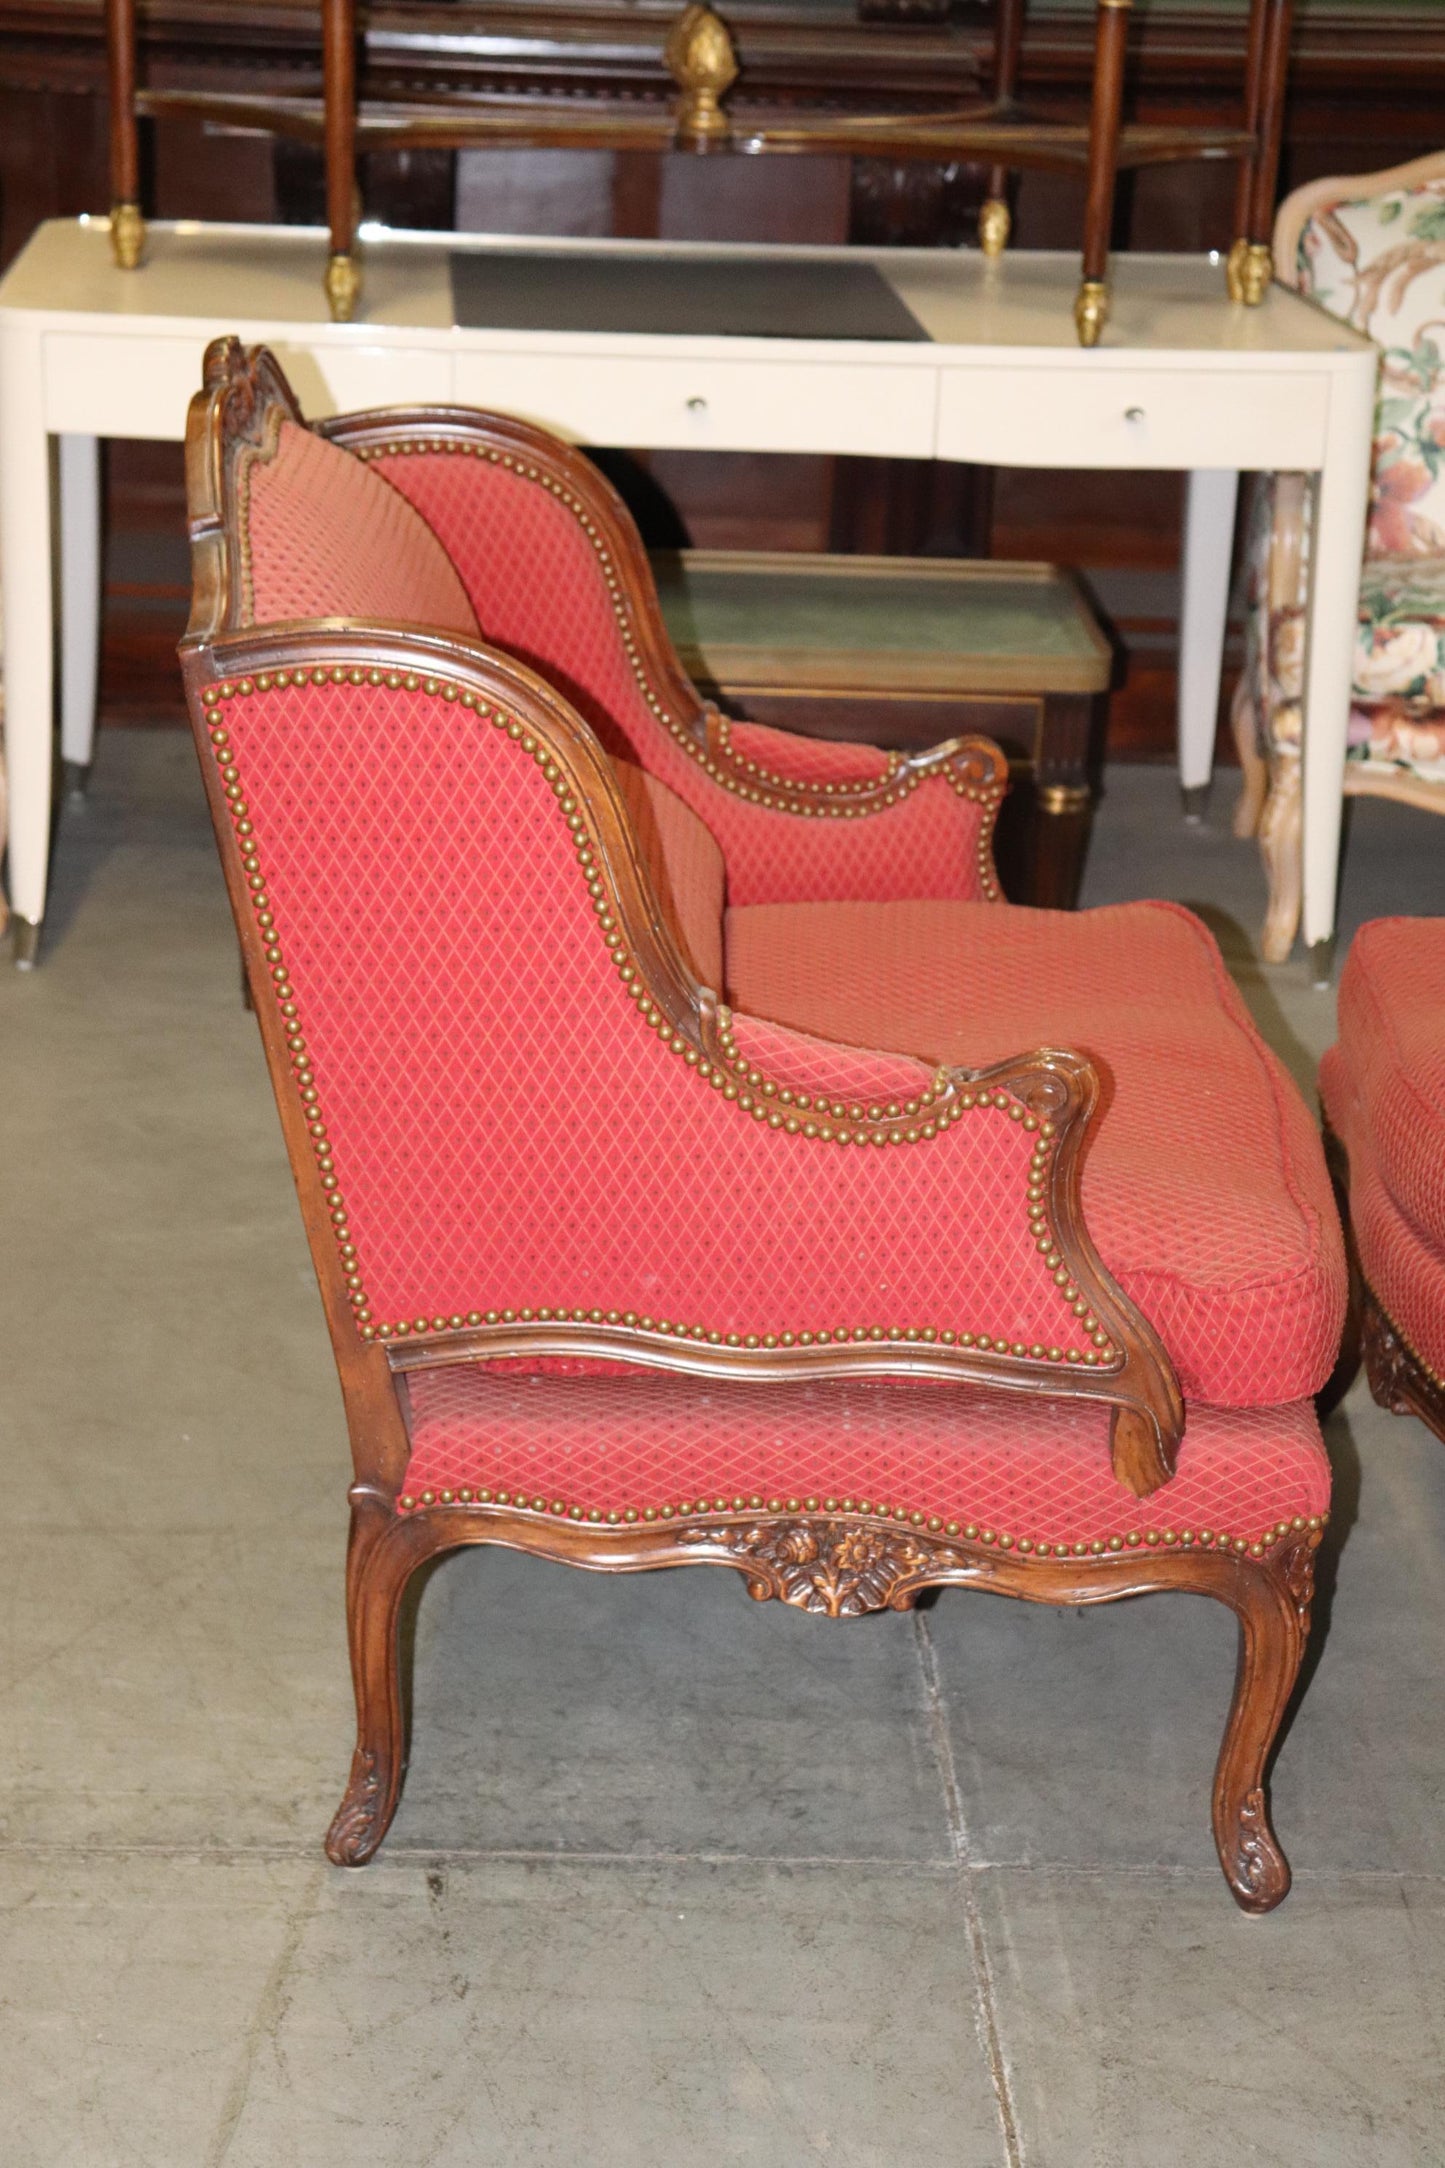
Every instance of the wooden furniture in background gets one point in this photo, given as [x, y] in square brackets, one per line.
[549, 890]
[1184, 380]
[701, 58]
[1363, 93]
[904, 652]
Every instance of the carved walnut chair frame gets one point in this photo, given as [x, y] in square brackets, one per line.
[842, 1557]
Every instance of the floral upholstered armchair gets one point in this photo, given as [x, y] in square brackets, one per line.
[1371, 250]
[701, 1162]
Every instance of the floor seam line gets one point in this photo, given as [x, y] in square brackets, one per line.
[987, 2007]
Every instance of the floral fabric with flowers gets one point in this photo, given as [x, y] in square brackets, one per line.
[1378, 263]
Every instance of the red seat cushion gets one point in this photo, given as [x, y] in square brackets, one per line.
[648, 1445]
[1391, 1057]
[1204, 1185]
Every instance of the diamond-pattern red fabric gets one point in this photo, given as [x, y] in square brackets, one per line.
[535, 582]
[505, 1128]
[328, 538]
[1404, 1266]
[1037, 1469]
[1204, 1187]
[685, 864]
[805, 760]
[1391, 1052]
[841, 1075]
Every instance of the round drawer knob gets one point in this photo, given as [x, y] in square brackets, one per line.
[1134, 414]
[697, 404]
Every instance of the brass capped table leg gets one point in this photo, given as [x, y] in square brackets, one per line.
[127, 234]
[343, 287]
[1248, 270]
[1091, 310]
[994, 226]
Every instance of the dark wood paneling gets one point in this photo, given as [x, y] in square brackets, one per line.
[1366, 94]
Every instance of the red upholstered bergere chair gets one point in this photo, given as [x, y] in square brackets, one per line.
[1383, 1087]
[700, 1161]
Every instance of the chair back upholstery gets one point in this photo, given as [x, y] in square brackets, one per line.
[327, 538]
[1371, 249]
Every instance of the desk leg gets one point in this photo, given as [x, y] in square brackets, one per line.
[1209, 503]
[79, 605]
[1336, 555]
[25, 578]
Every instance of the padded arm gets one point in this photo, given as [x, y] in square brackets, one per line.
[557, 575]
[520, 1127]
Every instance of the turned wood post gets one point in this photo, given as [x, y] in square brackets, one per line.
[338, 72]
[994, 219]
[1251, 264]
[1091, 308]
[127, 226]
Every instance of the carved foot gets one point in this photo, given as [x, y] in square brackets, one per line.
[1091, 311]
[365, 1813]
[75, 775]
[343, 287]
[127, 235]
[994, 227]
[1254, 1866]
[1194, 801]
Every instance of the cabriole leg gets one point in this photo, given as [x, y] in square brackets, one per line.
[1272, 1603]
[383, 1555]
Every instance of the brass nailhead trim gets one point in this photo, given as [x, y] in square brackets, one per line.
[1134, 1539]
[807, 799]
[879, 1125]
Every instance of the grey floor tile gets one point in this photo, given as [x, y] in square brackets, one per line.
[1086, 1736]
[1143, 2019]
[207, 1707]
[629, 2018]
[1089, 1737]
[131, 1991]
[661, 1713]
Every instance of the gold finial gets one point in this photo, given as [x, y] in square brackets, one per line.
[127, 234]
[1248, 270]
[343, 285]
[701, 61]
[994, 226]
[1091, 311]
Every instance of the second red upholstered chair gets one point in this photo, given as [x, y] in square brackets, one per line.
[701, 1161]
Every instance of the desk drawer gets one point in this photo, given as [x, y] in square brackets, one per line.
[722, 406]
[1086, 416]
[91, 381]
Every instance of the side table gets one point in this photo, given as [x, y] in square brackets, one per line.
[903, 652]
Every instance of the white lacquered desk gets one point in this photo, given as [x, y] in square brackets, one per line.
[1183, 379]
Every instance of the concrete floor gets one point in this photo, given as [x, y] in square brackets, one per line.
[677, 1878]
